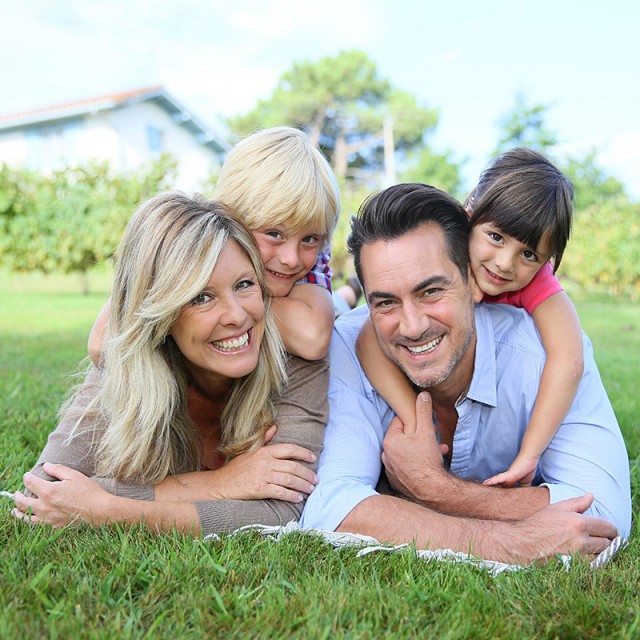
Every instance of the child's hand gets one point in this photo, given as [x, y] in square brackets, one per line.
[521, 472]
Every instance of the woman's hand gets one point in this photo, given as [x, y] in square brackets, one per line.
[273, 471]
[75, 497]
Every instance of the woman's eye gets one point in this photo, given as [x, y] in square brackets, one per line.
[201, 298]
[243, 285]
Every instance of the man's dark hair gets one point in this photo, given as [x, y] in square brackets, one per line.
[391, 213]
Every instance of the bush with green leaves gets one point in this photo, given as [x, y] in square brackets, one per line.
[604, 250]
[74, 218]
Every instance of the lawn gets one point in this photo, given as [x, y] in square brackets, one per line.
[124, 582]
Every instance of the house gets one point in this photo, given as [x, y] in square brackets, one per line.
[127, 129]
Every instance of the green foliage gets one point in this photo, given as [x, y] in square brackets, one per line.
[72, 219]
[592, 184]
[604, 250]
[435, 169]
[343, 103]
[524, 126]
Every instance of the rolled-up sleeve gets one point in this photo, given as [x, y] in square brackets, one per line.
[350, 464]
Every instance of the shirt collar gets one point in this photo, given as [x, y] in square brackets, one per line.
[483, 383]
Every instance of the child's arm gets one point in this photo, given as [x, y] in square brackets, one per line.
[386, 377]
[559, 329]
[96, 337]
[305, 320]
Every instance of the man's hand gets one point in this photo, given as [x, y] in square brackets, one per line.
[411, 458]
[558, 528]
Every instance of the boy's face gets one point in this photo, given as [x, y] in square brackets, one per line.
[501, 263]
[287, 255]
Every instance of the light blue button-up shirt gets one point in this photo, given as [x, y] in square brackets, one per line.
[586, 454]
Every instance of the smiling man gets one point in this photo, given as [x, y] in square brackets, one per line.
[481, 365]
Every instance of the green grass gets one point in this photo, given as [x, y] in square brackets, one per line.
[127, 583]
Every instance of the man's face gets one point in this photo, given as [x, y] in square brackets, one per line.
[421, 308]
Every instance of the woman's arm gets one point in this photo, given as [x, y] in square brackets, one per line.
[305, 320]
[561, 335]
[385, 377]
[301, 417]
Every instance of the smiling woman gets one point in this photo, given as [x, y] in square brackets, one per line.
[186, 422]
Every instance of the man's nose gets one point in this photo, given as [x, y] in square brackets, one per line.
[414, 321]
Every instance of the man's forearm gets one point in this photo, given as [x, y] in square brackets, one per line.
[449, 494]
[554, 529]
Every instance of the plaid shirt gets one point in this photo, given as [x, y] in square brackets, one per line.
[321, 272]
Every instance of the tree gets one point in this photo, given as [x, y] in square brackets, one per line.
[343, 104]
[435, 169]
[73, 219]
[524, 126]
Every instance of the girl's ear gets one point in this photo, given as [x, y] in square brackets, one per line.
[469, 211]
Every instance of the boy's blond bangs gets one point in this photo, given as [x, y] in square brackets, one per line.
[276, 176]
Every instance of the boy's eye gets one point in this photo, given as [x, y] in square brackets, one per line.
[273, 234]
[311, 239]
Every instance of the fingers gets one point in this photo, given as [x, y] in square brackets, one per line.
[271, 431]
[504, 479]
[284, 451]
[424, 411]
[577, 505]
[27, 517]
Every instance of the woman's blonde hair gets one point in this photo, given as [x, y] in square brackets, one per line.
[167, 255]
[277, 176]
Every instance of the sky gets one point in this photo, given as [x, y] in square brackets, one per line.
[468, 59]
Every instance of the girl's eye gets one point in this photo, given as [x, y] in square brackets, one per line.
[496, 237]
[201, 298]
[530, 255]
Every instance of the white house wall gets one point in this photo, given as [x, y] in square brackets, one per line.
[119, 136]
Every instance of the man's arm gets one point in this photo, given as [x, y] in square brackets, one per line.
[555, 529]
[413, 463]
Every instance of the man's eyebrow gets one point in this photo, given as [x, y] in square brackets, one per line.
[433, 281]
[429, 283]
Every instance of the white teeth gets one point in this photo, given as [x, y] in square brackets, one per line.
[430, 346]
[236, 343]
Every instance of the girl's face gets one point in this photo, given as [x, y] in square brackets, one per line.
[220, 331]
[501, 263]
[287, 255]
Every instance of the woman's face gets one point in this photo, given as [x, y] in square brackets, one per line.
[220, 331]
